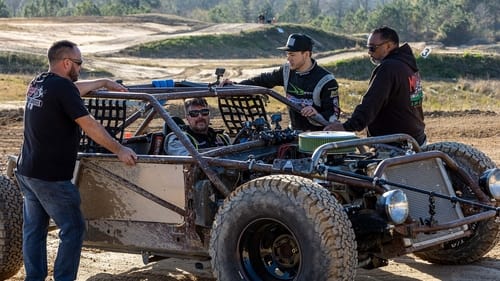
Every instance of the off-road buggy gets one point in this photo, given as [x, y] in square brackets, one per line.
[276, 204]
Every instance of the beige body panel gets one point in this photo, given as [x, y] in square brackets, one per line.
[105, 197]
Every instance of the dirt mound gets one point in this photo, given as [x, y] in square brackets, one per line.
[459, 113]
[8, 116]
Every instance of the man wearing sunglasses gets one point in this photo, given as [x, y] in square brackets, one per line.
[53, 116]
[306, 84]
[393, 102]
[198, 131]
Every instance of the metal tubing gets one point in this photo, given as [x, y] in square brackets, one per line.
[236, 90]
[456, 223]
[322, 149]
[224, 150]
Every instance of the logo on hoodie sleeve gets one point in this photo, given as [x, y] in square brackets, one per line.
[416, 92]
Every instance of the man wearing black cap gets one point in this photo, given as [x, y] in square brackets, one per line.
[306, 84]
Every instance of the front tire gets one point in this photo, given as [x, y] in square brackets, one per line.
[485, 234]
[11, 222]
[282, 228]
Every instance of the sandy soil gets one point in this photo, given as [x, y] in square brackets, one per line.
[101, 265]
[475, 128]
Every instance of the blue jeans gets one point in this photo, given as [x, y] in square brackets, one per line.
[59, 200]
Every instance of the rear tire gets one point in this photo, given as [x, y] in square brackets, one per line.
[11, 222]
[282, 228]
[486, 234]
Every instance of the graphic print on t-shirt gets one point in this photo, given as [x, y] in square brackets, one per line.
[34, 96]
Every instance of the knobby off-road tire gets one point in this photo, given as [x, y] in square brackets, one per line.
[282, 227]
[11, 222]
[486, 234]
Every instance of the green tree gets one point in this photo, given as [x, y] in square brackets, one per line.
[86, 8]
[4, 10]
[450, 21]
[231, 11]
[314, 9]
[291, 12]
[485, 18]
[186, 7]
[398, 15]
[43, 8]
[327, 23]
[127, 7]
[260, 7]
[456, 28]
[219, 13]
[239, 11]
[308, 10]
[355, 22]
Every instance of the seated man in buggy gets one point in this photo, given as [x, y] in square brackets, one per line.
[198, 130]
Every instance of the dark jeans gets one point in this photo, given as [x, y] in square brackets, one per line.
[60, 201]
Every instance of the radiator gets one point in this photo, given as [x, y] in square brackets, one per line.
[429, 175]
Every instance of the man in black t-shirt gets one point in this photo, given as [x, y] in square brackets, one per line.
[53, 116]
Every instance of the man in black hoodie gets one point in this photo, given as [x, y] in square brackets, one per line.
[393, 102]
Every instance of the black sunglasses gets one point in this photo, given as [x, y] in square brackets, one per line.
[78, 62]
[373, 48]
[203, 112]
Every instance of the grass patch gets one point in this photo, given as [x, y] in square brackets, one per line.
[455, 66]
[17, 70]
[258, 43]
[353, 69]
[435, 67]
[451, 82]
[20, 63]
[13, 87]
[30, 65]
[465, 94]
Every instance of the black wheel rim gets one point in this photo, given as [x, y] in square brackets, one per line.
[268, 251]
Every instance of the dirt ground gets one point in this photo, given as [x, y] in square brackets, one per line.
[480, 129]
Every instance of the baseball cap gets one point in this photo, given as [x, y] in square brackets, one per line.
[298, 42]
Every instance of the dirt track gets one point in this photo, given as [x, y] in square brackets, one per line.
[462, 127]
[478, 129]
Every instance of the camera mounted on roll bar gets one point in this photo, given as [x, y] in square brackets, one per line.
[219, 72]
